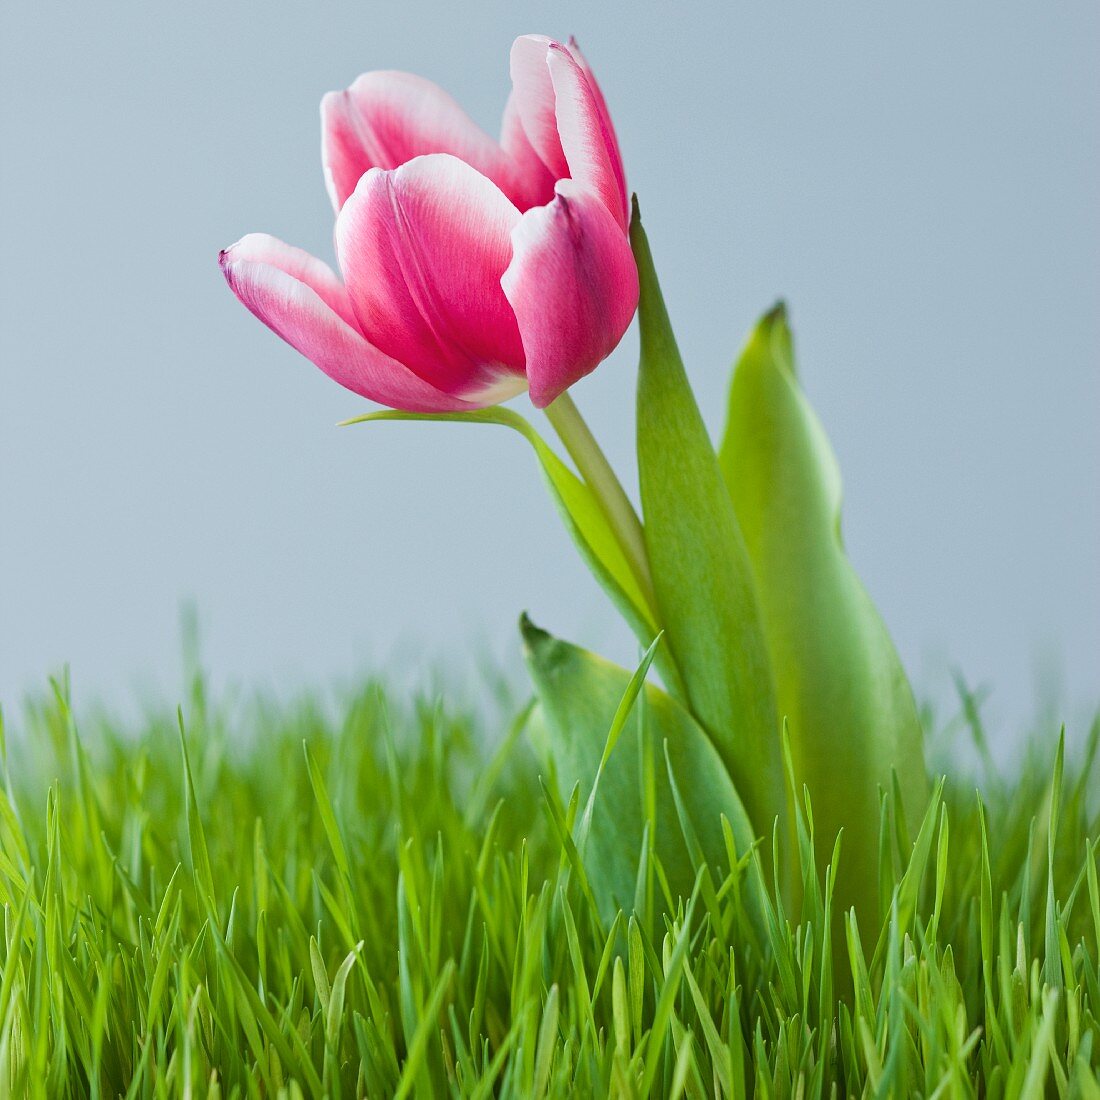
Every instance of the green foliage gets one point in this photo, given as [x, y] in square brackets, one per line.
[701, 571]
[841, 687]
[654, 790]
[740, 563]
[396, 911]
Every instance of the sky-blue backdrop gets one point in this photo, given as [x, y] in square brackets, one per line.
[920, 181]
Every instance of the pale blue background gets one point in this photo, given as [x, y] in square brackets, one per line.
[919, 180]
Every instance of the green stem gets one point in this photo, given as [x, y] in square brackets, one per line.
[593, 466]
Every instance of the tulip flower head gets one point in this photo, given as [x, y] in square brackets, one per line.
[472, 269]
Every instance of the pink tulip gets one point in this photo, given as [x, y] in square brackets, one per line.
[472, 269]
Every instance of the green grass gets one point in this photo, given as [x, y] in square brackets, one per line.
[375, 904]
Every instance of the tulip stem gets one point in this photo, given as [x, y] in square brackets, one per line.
[593, 466]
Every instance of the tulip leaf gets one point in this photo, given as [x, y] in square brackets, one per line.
[702, 576]
[591, 735]
[579, 510]
[840, 682]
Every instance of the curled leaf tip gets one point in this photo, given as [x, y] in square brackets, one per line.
[778, 312]
[635, 209]
[532, 634]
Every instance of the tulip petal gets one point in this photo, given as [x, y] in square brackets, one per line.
[589, 143]
[611, 139]
[574, 288]
[423, 249]
[300, 299]
[533, 103]
[533, 183]
[387, 118]
[601, 102]
[262, 248]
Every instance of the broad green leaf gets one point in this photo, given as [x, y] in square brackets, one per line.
[583, 518]
[840, 682]
[579, 701]
[701, 570]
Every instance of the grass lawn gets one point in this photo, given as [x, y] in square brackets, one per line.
[378, 905]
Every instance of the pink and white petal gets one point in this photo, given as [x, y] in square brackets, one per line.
[605, 114]
[533, 184]
[574, 287]
[295, 310]
[533, 100]
[422, 249]
[386, 118]
[262, 248]
[588, 144]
